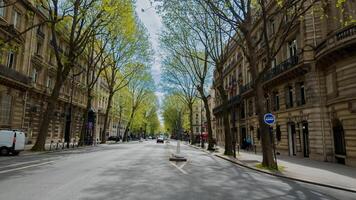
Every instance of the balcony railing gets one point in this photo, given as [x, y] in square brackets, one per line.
[347, 33]
[14, 75]
[282, 67]
[231, 102]
[245, 88]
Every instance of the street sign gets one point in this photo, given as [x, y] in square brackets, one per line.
[269, 118]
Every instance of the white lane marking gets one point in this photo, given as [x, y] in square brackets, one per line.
[25, 167]
[181, 170]
[184, 164]
[21, 163]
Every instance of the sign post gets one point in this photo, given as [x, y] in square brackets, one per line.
[270, 120]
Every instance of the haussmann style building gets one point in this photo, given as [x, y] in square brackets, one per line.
[311, 89]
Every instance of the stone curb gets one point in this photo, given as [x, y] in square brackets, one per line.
[277, 174]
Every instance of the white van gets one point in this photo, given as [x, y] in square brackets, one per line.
[11, 142]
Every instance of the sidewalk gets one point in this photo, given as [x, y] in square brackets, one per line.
[301, 169]
[53, 148]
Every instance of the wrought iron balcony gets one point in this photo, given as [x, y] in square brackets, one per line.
[282, 67]
[14, 75]
[231, 102]
[245, 88]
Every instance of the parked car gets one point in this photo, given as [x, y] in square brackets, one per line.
[160, 140]
[11, 142]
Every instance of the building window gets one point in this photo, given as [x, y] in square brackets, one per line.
[34, 75]
[250, 108]
[274, 63]
[242, 113]
[11, 60]
[49, 82]
[292, 48]
[16, 19]
[267, 103]
[278, 133]
[289, 97]
[300, 93]
[39, 48]
[2, 8]
[272, 24]
[275, 101]
[5, 108]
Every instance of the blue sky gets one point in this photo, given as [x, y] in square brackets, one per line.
[153, 23]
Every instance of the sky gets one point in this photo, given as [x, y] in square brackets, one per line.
[153, 23]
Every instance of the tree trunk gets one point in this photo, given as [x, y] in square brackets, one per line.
[47, 117]
[192, 139]
[267, 151]
[106, 120]
[226, 123]
[127, 127]
[85, 115]
[208, 119]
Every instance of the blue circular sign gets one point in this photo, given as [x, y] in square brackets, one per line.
[269, 118]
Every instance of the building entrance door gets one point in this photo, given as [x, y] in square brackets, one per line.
[243, 138]
[292, 139]
[305, 138]
[339, 141]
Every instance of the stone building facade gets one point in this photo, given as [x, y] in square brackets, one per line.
[27, 75]
[311, 89]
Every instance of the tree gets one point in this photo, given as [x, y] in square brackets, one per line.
[81, 19]
[178, 82]
[141, 87]
[96, 60]
[146, 119]
[129, 55]
[243, 17]
[173, 110]
[201, 41]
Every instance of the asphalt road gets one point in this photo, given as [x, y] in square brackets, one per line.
[143, 171]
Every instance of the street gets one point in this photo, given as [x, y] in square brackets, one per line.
[143, 171]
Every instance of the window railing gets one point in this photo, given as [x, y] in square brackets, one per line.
[245, 88]
[282, 67]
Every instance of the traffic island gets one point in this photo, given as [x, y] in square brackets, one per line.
[177, 158]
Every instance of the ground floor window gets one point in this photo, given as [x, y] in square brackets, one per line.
[5, 108]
